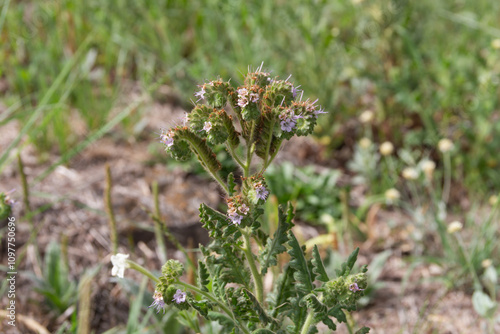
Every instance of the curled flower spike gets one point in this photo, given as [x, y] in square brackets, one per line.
[158, 302]
[179, 297]
[119, 262]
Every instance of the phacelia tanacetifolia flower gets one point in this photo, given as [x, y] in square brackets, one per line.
[158, 302]
[179, 297]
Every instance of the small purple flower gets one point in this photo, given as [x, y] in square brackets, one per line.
[295, 90]
[179, 297]
[158, 302]
[235, 218]
[201, 94]
[242, 92]
[207, 126]
[254, 97]
[167, 138]
[242, 101]
[244, 209]
[287, 125]
[354, 287]
[320, 111]
[262, 192]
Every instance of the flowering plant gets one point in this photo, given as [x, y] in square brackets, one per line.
[252, 120]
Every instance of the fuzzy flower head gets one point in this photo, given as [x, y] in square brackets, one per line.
[171, 270]
[366, 117]
[167, 138]
[392, 195]
[119, 262]
[410, 173]
[365, 143]
[445, 145]
[179, 296]
[158, 302]
[455, 227]
[386, 148]
[428, 167]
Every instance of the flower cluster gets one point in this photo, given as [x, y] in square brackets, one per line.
[236, 209]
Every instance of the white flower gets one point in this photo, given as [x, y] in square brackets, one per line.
[410, 173]
[428, 167]
[392, 195]
[365, 143]
[445, 145]
[454, 227]
[366, 116]
[386, 148]
[486, 263]
[119, 262]
[495, 44]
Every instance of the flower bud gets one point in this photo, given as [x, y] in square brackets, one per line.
[454, 227]
[365, 143]
[366, 117]
[410, 173]
[486, 263]
[171, 270]
[445, 145]
[392, 195]
[428, 167]
[386, 148]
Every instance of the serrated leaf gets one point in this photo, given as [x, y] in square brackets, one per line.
[274, 246]
[226, 322]
[263, 316]
[234, 270]
[203, 276]
[363, 330]
[338, 314]
[347, 266]
[318, 267]
[284, 291]
[329, 322]
[312, 330]
[298, 261]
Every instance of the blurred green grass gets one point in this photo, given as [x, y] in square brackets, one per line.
[427, 68]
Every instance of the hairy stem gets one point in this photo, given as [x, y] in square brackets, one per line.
[213, 299]
[247, 249]
[249, 150]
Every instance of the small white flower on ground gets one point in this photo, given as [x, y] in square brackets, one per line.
[486, 263]
[454, 227]
[386, 148]
[207, 126]
[158, 302]
[391, 195]
[410, 173]
[445, 145]
[119, 262]
[428, 166]
[179, 297]
[366, 116]
[365, 143]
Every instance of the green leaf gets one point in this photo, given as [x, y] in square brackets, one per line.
[234, 269]
[284, 291]
[338, 314]
[298, 262]
[217, 224]
[363, 330]
[318, 267]
[203, 276]
[226, 322]
[262, 331]
[274, 246]
[483, 305]
[347, 266]
[263, 316]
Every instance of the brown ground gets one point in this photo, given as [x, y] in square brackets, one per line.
[76, 216]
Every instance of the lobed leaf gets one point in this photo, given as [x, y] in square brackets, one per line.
[274, 246]
[302, 275]
[203, 276]
[318, 267]
[347, 266]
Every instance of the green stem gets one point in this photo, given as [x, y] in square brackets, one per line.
[137, 267]
[249, 150]
[213, 299]
[247, 249]
[308, 322]
[158, 229]
[268, 146]
[461, 245]
[235, 157]
[205, 164]
[447, 177]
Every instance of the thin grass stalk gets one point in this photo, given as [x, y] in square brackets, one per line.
[26, 192]
[84, 305]
[113, 235]
[160, 241]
